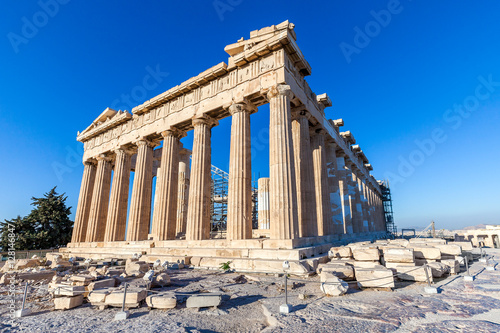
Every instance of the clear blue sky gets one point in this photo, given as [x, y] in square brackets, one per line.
[419, 76]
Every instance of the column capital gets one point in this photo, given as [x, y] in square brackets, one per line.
[89, 162]
[104, 157]
[280, 90]
[175, 132]
[207, 120]
[242, 107]
[144, 142]
[318, 130]
[124, 151]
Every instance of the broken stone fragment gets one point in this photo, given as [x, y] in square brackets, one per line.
[379, 277]
[204, 300]
[165, 300]
[332, 285]
[106, 283]
[65, 303]
[438, 269]
[161, 280]
[132, 299]
[366, 254]
[25, 263]
[343, 271]
[340, 252]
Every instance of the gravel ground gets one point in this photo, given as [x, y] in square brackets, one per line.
[253, 306]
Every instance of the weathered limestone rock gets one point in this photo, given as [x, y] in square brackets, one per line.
[426, 252]
[161, 280]
[396, 264]
[98, 297]
[165, 300]
[132, 299]
[332, 285]
[136, 267]
[402, 242]
[421, 262]
[65, 303]
[449, 249]
[466, 246]
[399, 255]
[453, 265]
[340, 252]
[366, 254]
[81, 280]
[438, 269]
[66, 290]
[25, 263]
[342, 271]
[204, 300]
[106, 283]
[428, 240]
[412, 273]
[374, 277]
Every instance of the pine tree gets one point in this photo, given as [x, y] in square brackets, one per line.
[47, 226]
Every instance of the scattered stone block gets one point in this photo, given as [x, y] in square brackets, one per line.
[106, 283]
[466, 246]
[83, 279]
[399, 255]
[25, 263]
[342, 271]
[374, 277]
[136, 267]
[449, 249]
[162, 301]
[66, 290]
[366, 254]
[204, 300]
[340, 252]
[65, 303]
[98, 297]
[426, 252]
[332, 285]
[132, 300]
[453, 265]
[400, 241]
[161, 280]
[415, 273]
[398, 264]
[438, 269]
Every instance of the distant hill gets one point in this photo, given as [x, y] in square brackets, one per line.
[474, 227]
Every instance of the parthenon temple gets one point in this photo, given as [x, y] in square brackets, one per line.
[319, 191]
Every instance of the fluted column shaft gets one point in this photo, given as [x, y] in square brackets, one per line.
[182, 191]
[198, 220]
[165, 218]
[140, 203]
[100, 200]
[239, 201]
[334, 190]
[84, 203]
[362, 200]
[344, 195]
[283, 193]
[323, 211]
[118, 202]
[304, 175]
[263, 201]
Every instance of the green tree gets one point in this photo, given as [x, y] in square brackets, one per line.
[47, 226]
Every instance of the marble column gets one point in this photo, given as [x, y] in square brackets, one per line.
[323, 210]
[362, 199]
[140, 203]
[239, 200]
[263, 201]
[182, 191]
[355, 201]
[344, 193]
[198, 217]
[100, 200]
[306, 200]
[118, 202]
[334, 189]
[165, 218]
[282, 191]
[84, 203]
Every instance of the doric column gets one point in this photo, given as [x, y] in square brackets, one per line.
[118, 201]
[239, 200]
[263, 201]
[165, 218]
[362, 200]
[198, 220]
[323, 210]
[368, 195]
[344, 194]
[357, 213]
[100, 200]
[283, 193]
[306, 200]
[182, 191]
[84, 203]
[140, 203]
[334, 189]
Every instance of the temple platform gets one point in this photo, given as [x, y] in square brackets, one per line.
[261, 255]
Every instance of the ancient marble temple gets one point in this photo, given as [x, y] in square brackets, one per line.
[319, 190]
